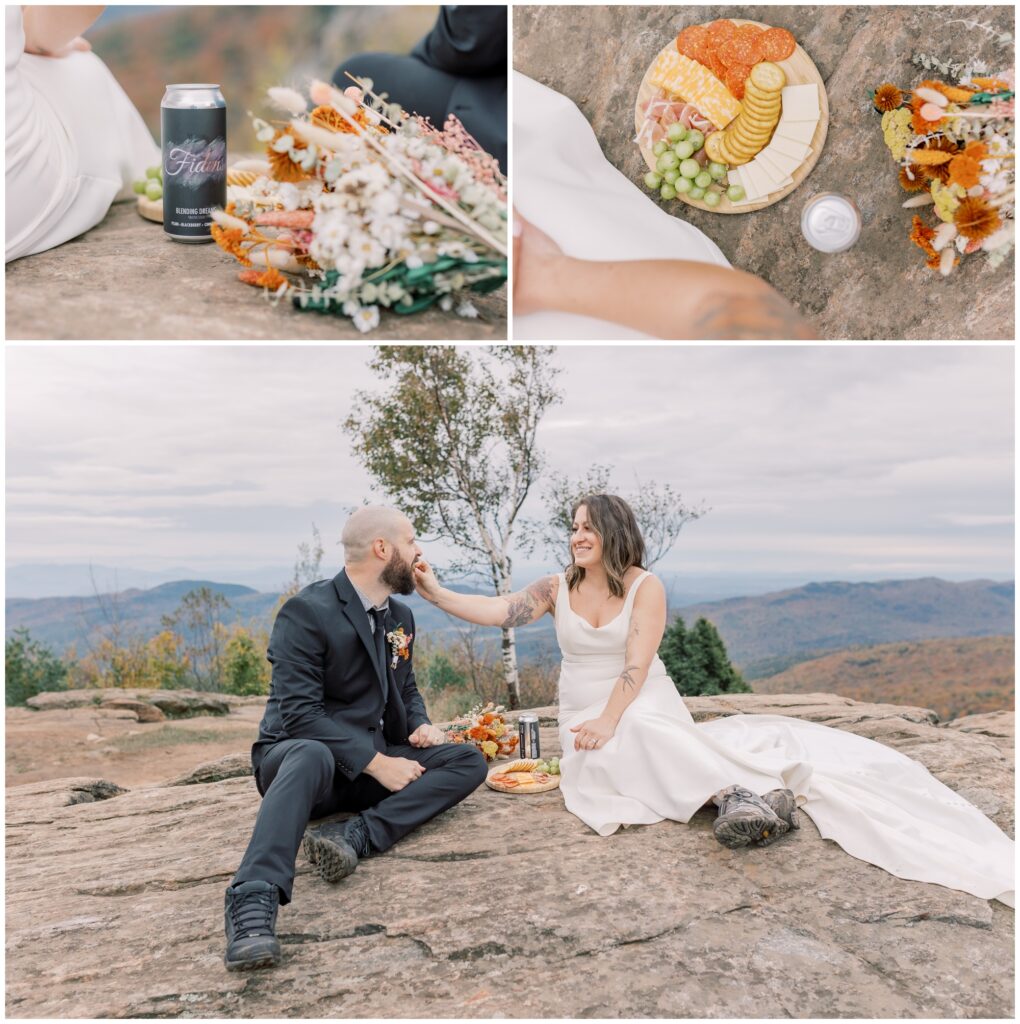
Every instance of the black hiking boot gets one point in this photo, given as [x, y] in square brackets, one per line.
[249, 910]
[783, 802]
[336, 847]
[745, 818]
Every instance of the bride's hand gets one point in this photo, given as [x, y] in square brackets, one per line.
[535, 256]
[425, 581]
[593, 734]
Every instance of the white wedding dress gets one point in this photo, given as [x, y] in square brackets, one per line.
[74, 142]
[878, 804]
[565, 186]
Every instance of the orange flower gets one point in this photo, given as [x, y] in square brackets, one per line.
[489, 719]
[478, 733]
[887, 97]
[282, 168]
[913, 178]
[975, 219]
[327, 117]
[990, 84]
[270, 278]
[965, 168]
[936, 167]
[229, 240]
[922, 236]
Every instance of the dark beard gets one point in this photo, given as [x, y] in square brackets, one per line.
[398, 575]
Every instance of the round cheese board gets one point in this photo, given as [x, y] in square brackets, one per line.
[798, 69]
[521, 777]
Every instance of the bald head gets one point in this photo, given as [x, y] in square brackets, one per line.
[369, 524]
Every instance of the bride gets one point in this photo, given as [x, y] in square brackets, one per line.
[632, 753]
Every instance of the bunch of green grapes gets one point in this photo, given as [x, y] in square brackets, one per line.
[151, 185]
[677, 172]
[550, 767]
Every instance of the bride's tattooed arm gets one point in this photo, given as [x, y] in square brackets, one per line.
[531, 603]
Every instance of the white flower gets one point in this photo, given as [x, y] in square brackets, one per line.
[465, 309]
[446, 303]
[430, 227]
[366, 318]
[414, 261]
[350, 307]
[288, 99]
[283, 144]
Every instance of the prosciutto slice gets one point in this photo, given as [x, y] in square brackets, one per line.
[660, 111]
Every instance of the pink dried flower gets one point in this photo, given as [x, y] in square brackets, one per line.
[286, 219]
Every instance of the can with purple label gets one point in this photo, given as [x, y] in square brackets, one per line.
[193, 122]
[527, 737]
[830, 222]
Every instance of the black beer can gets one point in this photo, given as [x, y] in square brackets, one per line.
[527, 737]
[193, 122]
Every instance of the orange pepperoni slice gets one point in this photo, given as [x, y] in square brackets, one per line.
[691, 41]
[721, 30]
[735, 78]
[777, 44]
[738, 50]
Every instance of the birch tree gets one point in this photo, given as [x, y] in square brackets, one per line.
[451, 441]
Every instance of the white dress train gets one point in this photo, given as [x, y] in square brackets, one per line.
[74, 142]
[878, 804]
[565, 186]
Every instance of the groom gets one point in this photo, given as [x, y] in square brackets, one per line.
[345, 729]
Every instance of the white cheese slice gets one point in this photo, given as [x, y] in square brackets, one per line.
[796, 131]
[772, 175]
[789, 147]
[800, 102]
[783, 163]
[761, 183]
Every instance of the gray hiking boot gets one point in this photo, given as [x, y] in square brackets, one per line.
[745, 818]
[335, 848]
[783, 802]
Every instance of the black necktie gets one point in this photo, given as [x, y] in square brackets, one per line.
[378, 616]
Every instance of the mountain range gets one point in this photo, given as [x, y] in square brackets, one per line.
[764, 634]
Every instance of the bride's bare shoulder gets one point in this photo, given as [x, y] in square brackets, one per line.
[651, 589]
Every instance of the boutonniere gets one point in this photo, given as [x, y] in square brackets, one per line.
[400, 645]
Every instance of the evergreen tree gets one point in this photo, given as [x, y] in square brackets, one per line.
[697, 662]
[30, 668]
[245, 670]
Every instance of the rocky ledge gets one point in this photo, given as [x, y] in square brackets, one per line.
[506, 906]
[125, 280]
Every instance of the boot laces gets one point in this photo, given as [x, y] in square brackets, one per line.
[252, 914]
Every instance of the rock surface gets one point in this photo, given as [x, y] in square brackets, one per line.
[504, 906]
[125, 280]
[878, 289]
[154, 704]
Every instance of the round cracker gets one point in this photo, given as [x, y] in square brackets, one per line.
[712, 144]
[758, 112]
[762, 96]
[768, 76]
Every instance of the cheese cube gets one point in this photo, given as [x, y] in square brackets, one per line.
[800, 102]
[691, 81]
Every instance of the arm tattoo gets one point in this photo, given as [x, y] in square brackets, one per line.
[527, 605]
[628, 680]
[757, 318]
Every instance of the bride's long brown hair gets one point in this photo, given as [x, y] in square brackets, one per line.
[622, 544]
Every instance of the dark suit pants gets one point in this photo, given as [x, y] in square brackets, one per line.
[300, 781]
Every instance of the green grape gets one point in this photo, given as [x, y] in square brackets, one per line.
[672, 176]
[653, 180]
[690, 168]
[667, 161]
[154, 190]
[696, 139]
[683, 184]
[684, 149]
[703, 180]
[660, 147]
[697, 193]
[712, 197]
[154, 172]
[677, 132]
[735, 193]
[138, 186]
[718, 171]
[667, 191]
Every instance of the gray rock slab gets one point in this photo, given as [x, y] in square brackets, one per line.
[124, 280]
[878, 289]
[505, 906]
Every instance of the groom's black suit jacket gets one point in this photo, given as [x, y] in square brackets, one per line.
[328, 684]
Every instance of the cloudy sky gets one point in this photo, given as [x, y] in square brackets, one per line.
[818, 463]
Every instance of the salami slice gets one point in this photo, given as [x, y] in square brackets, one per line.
[716, 65]
[691, 41]
[734, 79]
[777, 44]
[738, 50]
[721, 30]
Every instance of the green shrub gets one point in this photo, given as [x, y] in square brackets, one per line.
[30, 667]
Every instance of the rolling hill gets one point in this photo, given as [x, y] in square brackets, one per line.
[768, 633]
[955, 676]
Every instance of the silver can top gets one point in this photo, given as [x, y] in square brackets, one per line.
[830, 222]
[527, 718]
[192, 95]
